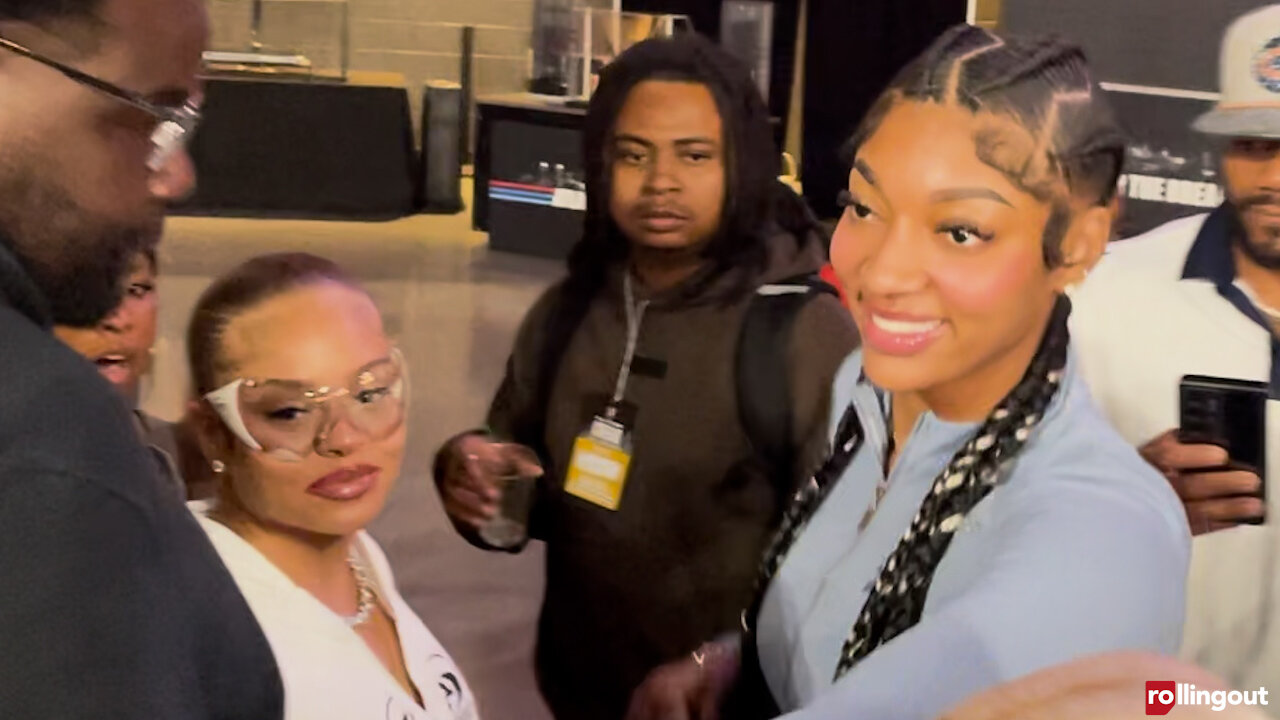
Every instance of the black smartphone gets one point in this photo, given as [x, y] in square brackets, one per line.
[1231, 414]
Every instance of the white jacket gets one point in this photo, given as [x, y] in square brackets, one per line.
[329, 672]
[1142, 320]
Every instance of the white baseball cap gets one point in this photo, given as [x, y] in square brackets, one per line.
[1250, 72]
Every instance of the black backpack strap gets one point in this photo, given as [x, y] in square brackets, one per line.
[763, 382]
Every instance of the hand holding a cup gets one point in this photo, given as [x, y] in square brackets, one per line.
[488, 487]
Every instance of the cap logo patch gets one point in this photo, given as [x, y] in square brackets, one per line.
[1266, 66]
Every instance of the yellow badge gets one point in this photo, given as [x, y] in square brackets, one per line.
[598, 468]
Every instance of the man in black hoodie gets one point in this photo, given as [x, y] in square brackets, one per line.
[114, 605]
[687, 228]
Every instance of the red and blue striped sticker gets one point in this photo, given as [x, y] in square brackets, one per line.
[564, 198]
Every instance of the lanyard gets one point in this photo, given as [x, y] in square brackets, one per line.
[635, 315]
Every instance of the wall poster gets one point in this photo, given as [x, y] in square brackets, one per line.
[1159, 62]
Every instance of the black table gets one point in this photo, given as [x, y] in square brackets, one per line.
[276, 147]
[516, 201]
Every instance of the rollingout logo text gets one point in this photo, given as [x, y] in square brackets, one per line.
[1162, 695]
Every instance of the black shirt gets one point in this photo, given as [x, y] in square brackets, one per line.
[113, 603]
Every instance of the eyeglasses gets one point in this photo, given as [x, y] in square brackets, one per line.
[175, 124]
[289, 420]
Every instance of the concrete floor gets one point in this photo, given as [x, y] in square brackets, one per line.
[454, 308]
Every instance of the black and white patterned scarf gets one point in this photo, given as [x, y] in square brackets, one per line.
[897, 599]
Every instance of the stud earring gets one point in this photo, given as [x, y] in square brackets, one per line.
[218, 467]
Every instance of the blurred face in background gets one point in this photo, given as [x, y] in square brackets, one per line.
[1251, 172]
[120, 346]
[668, 166]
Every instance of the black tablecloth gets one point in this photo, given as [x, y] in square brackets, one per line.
[514, 134]
[309, 149]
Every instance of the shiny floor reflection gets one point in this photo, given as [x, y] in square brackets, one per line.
[454, 307]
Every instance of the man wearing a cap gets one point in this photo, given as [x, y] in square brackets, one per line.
[1201, 296]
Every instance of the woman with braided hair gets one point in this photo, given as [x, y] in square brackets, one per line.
[977, 519]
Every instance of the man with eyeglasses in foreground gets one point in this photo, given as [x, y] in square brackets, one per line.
[113, 602]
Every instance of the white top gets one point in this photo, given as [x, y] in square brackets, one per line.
[329, 672]
[1138, 327]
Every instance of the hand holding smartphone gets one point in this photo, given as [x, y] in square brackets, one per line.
[1230, 414]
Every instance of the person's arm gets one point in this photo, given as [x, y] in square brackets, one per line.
[449, 462]
[518, 392]
[511, 406]
[690, 688]
[83, 578]
[1109, 685]
[1086, 571]
[823, 336]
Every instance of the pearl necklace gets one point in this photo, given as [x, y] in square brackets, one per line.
[364, 587]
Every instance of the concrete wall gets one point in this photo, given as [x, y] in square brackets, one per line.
[420, 39]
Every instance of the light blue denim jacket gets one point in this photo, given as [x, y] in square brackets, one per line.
[1083, 549]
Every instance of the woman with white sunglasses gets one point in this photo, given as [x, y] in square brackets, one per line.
[301, 413]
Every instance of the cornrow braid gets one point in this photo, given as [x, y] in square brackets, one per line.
[848, 440]
[898, 597]
[1046, 56]
[1047, 127]
[939, 57]
[1045, 123]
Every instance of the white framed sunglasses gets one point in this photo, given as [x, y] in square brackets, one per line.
[289, 419]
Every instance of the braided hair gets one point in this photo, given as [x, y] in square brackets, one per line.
[1044, 124]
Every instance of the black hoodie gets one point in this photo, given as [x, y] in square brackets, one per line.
[674, 566]
[114, 604]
